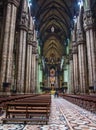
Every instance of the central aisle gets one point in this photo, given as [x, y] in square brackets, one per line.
[64, 116]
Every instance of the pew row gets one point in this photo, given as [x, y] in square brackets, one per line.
[5, 98]
[32, 110]
[87, 102]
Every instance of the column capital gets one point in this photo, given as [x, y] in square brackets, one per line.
[30, 37]
[34, 44]
[15, 2]
[89, 20]
[34, 50]
[23, 24]
[80, 37]
[74, 48]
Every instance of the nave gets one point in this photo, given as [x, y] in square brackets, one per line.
[64, 116]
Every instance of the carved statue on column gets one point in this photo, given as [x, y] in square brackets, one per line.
[34, 44]
[88, 19]
[24, 21]
[80, 37]
[74, 49]
[34, 50]
[30, 37]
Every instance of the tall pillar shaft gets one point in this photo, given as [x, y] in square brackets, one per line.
[82, 63]
[21, 61]
[89, 24]
[72, 78]
[36, 77]
[34, 53]
[33, 72]
[75, 69]
[11, 44]
[8, 42]
[28, 69]
[23, 27]
[71, 73]
[31, 81]
[48, 83]
[5, 43]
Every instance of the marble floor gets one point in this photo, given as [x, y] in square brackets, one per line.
[64, 116]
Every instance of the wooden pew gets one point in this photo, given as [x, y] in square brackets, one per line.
[26, 111]
[36, 108]
[86, 101]
[5, 98]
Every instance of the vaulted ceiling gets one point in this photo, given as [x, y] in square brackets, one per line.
[54, 22]
[54, 14]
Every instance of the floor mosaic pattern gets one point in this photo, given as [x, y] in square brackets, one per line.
[64, 116]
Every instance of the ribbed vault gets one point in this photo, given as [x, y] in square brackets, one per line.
[54, 18]
[54, 13]
[52, 47]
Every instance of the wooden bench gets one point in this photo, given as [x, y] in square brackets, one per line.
[37, 112]
[86, 101]
[4, 99]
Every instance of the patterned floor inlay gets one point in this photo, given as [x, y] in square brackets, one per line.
[11, 127]
[78, 118]
[46, 127]
[64, 116]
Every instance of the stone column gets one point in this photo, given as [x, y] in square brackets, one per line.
[31, 81]
[28, 68]
[48, 77]
[2, 24]
[82, 56]
[75, 63]
[36, 77]
[90, 29]
[8, 41]
[75, 69]
[71, 72]
[29, 56]
[34, 53]
[56, 78]
[82, 64]
[23, 27]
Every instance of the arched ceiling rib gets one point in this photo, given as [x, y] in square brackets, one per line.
[52, 46]
[53, 6]
[56, 14]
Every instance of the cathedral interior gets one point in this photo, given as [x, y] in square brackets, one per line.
[48, 46]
